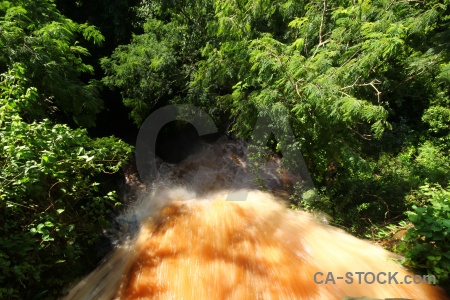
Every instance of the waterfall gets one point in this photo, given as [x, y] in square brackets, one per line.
[210, 227]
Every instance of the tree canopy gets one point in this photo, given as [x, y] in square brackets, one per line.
[47, 44]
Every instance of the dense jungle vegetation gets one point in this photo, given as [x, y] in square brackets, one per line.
[364, 85]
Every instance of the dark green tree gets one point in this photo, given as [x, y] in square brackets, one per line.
[46, 43]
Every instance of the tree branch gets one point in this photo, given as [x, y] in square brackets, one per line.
[372, 84]
[285, 71]
[321, 42]
[366, 137]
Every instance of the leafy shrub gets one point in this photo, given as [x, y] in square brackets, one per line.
[427, 244]
[53, 206]
[432, 163]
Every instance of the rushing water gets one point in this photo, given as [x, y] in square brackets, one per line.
[185, 238]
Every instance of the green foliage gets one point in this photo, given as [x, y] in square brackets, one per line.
[47, 44]
[116, 19]
[438, 119]
[147, 69]
[432, 163]
[156, 66]
[386, 232]
[53, 206]
[427, 244]
[336, 69]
